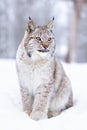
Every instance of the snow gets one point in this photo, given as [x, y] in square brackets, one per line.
[13, 118]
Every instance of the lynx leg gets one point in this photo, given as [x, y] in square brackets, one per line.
[41, 101]
[62, 100]
[27, 100]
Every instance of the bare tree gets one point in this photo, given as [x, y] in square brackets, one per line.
[71, 55]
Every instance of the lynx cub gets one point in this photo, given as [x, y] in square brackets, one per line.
[45, 88]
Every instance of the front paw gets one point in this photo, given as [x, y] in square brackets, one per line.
[37, 115]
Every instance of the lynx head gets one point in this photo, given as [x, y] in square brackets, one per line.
[40, 40]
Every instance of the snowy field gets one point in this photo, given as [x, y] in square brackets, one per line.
[12, 117]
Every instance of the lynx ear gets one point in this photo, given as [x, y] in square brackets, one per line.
[50, 25]
[30, 26]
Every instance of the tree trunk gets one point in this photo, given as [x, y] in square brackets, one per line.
[71, 55]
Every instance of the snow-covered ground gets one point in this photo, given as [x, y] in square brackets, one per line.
[12, 117]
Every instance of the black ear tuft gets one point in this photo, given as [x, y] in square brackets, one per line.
[53, 18]
[29, 18]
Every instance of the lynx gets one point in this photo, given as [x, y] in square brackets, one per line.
[45, 89]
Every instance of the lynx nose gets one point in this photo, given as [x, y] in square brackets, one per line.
[45, 45]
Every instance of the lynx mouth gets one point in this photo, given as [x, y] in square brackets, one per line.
[45, 50]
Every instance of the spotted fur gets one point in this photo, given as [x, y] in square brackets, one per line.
[45, 88]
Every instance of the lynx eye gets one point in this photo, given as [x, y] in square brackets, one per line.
[49, 39]
[38, 38]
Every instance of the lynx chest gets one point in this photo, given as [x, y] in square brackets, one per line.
[32, 76]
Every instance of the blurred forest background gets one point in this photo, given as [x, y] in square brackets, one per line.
[70, 25]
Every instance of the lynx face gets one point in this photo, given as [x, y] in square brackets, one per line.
[40, 41]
